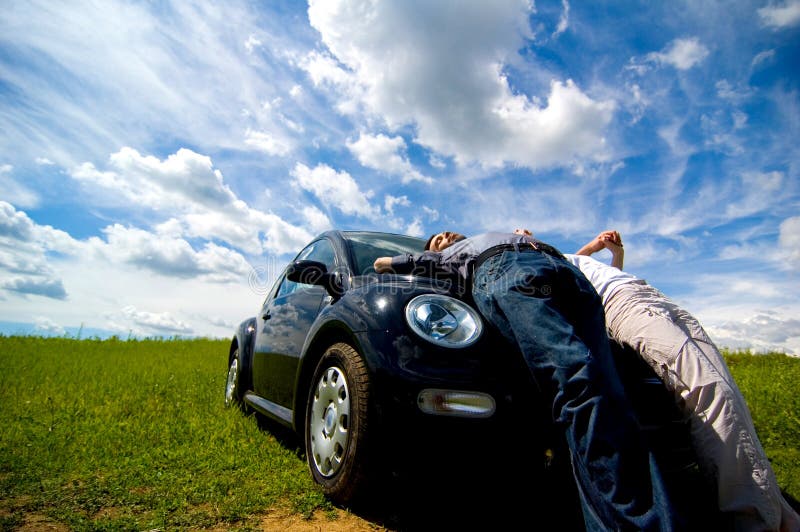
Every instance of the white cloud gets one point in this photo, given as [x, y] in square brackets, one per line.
[727, 91]
[782, 15]
[561, 208]
[335, 189]
[739, 119]
[720, 130]
[160, 323]
[384, 153]
[732, 301]
[766, 330]
[185, 180]
[784, 254]
[415, 228]
[436, 162]
[325, 71]
[219, 322]
[266, 142]
[86, 280]
[449, 82]
[757, 192]
[570, 127]
[636, 102]
[24, 249]
[563, 21]
[744, 250]
[380, 152]
[184, 70]
[671, 134]
[316, 220]
[48, 326]
[432, 214]
[173, 257]
[647, 253]
[461, 84]
[252, 43]
[763, 57]
[187, 188]
[390, 201]
[35, 285]
[15, 192]
[682, 54]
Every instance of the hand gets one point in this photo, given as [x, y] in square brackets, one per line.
[383, 264]
[594, 245]
[525, 232]
[613, 242]
[606, 240]
[610, 240]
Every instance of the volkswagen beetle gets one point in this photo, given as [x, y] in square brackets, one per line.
[365, 366]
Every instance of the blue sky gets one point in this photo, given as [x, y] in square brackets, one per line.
[160, 162]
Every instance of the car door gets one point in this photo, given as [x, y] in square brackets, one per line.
[283, 324]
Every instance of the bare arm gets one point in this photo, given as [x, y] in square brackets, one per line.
[609, 240]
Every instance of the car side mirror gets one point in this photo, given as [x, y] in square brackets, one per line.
[315, 273]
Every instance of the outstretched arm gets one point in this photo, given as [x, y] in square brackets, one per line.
[428, 264]
[609, 240]
[383, 264]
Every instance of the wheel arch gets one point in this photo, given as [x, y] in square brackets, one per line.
[243, 341]
[330, 334]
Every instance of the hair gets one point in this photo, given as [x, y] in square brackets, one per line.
[428, 243]
[430, 239]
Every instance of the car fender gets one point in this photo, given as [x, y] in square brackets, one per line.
[335, 323]
[244, 339]
[370, 307]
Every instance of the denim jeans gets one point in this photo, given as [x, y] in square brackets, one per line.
[549, 309]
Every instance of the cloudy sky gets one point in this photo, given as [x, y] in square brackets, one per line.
[160, 162]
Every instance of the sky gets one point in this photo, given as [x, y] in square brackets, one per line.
[161, 162]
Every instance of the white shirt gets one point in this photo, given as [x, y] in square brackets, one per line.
[603, 277]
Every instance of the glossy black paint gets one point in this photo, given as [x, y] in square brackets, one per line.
[281, 346]
[292, 331]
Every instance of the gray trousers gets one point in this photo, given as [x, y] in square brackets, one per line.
[675, 345]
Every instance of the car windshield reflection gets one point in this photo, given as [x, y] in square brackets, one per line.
[368, 246]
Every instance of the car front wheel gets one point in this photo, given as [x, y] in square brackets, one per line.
[233, 389]
[337, 441]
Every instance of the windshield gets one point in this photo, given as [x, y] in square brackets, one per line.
[369, 246]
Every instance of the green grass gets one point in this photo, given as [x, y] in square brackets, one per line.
[769, 385]
[133, 435]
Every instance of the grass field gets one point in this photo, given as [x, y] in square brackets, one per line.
[769, 384]
[133, 435]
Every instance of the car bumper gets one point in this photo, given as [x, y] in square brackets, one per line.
[487, 388]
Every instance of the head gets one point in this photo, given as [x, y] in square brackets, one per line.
[442, 240]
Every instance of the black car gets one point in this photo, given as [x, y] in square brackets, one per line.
[355, 361]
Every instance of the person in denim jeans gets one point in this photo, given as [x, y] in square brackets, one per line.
[544, 305]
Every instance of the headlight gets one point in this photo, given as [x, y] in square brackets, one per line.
[443, 320]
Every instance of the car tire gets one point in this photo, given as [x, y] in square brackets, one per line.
[336, 425]
[234, 393]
